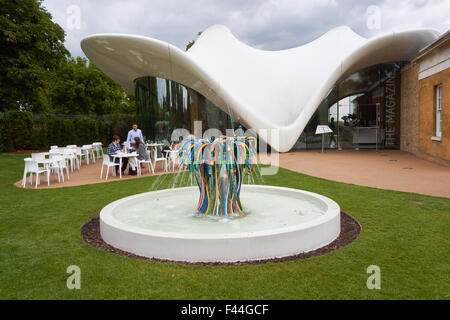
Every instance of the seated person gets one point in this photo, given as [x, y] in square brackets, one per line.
[113, 148]
[140, 149]
[138, 146]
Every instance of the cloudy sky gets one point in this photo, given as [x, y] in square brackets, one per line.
[265, 24]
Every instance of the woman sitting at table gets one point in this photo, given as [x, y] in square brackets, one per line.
[140, 149]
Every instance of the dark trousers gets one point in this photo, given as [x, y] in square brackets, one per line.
[124, 163]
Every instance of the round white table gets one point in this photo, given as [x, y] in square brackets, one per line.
[122, 155]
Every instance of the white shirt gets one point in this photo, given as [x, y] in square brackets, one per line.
[132, 134]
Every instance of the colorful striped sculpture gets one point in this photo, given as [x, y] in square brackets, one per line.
[218, 168]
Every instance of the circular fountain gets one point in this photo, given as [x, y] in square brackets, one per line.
[220, 219]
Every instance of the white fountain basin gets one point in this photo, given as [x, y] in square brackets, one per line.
[163, 224]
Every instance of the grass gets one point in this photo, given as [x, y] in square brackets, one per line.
[40, 237]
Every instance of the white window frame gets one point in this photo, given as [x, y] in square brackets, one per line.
[438, 117]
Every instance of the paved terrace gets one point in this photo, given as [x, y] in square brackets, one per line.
[385, 169]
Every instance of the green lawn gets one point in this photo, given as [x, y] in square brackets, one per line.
[40, 237]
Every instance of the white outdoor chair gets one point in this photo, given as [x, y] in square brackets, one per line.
[71, 157]
[58, 165]
[38, 157]
[32, 167]
[159, 157]
[98, 148]
[149, 162]
[71, 146]
[173, 159]
[108, 164]
[54, 147]
[55, 151]
[88, 151]
[79, 154]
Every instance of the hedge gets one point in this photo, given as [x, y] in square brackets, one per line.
[22, 130]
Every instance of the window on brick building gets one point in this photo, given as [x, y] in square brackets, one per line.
[438, 110]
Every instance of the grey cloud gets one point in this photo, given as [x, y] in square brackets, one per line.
[267, 24]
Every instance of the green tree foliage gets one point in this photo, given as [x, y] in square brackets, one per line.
[38, 74]
[192, 42]
[31, 46]
[78, 88]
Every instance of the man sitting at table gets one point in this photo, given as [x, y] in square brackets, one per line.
[113, 148]
[133, 133]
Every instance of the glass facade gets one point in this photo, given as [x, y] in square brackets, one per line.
[363, 110]
[164, 105]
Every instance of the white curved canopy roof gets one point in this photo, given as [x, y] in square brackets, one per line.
[266, 89]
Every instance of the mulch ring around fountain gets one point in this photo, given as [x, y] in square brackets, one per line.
[350, 229]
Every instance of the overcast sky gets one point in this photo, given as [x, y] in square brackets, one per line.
[265, 24]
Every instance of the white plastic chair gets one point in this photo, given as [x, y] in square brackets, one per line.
[71, 156]
[108, 164]
[88, 151]
[55, 151]
[79, 154]
[38, 157]
[57, 165]
[157, 158]
[149, 162]
[98, 149]
[173, 159]
[71, 146]
[32, 167]
[54, 147]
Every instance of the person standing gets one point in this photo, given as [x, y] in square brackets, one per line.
[332, 135]
[133, 133]
[113, 148]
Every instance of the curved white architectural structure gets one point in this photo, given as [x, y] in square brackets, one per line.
[265, 89]
[158, 225]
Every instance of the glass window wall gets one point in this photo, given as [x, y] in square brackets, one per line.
[163, 105]
[363, 111]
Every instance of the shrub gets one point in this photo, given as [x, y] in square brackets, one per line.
[23, 130]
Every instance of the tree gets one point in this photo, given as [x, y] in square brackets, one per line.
[192, 42]
[78, 88]
[32, 45]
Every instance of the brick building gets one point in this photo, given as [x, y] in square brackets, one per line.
[425, 103]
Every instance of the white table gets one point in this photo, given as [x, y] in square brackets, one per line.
[155, 146]
[122, 155]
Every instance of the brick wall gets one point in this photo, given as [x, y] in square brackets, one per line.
[438, 150]
[409, 109]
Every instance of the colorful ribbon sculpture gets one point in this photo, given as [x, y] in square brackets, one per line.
[218, 168]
